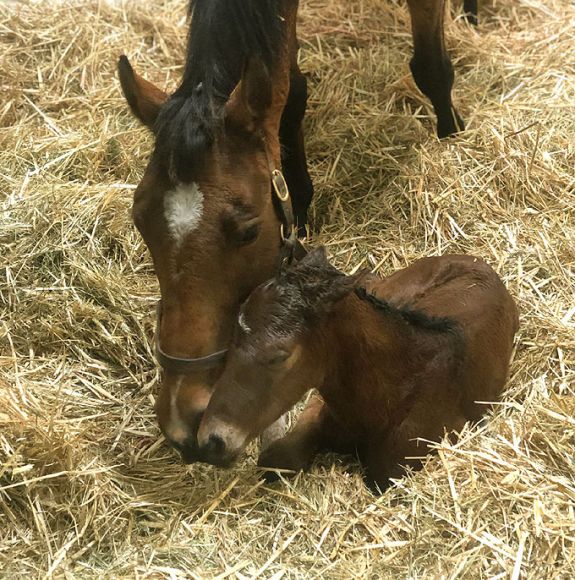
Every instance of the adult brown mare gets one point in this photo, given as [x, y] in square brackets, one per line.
[212, 198]
[397, 361]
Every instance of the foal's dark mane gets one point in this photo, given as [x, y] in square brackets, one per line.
[315, 279]
[415, 318]
[223, 35]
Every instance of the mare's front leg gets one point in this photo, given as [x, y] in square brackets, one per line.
[431, 66]
[294, 163]
[470, 10]
[316, 430]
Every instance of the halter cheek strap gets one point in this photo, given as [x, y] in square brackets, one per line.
[283, 206]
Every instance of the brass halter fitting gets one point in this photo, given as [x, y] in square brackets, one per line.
[280, 185]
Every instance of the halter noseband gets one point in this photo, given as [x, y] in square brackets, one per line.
[179, 365]
[290, 245]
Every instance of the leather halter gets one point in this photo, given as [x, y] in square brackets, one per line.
[184, 366]
[290, 246]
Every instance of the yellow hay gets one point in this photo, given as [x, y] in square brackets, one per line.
[87, 488]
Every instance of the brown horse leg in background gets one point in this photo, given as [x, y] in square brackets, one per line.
[316, 431]
[431, 66]
[294, 162]
[470, 11]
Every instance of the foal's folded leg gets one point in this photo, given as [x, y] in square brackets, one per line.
[274, 432]
[316, 430]
[407, 444]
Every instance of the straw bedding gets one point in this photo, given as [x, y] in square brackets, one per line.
[87, 487]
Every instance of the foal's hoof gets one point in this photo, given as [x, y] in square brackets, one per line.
[270, 476]
[274, 432]
[376, 487]
[283, 458]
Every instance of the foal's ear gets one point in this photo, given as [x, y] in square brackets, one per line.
[328, 285]
[316, 257]
[144, 98]
[250, 101]
[335, 290]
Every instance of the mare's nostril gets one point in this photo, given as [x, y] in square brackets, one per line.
[215, 445]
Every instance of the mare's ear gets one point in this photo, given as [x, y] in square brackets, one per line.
[144, 98]
[251, 100]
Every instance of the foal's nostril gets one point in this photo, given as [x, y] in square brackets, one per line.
[177, 446]
[215, 445]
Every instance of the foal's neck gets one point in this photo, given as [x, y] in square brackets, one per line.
[360, 331]
[370, 357]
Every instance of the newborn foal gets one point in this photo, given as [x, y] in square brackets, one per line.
[395, 361]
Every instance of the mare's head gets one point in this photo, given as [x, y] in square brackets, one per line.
[276, 355]
[205, 205]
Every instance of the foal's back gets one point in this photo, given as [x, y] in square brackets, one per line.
[467, 290]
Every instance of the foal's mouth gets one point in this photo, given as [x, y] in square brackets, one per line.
[218, 461]
[217, 454]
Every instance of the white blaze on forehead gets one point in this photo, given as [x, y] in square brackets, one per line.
[183, 209]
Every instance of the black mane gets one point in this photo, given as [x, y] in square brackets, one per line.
[223, 34]
[414, 317]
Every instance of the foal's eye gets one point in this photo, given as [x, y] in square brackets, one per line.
[277, 358]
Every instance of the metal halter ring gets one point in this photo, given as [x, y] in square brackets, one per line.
[289, 238]
[280, 185]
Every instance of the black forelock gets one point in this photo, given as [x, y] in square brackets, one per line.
[300, 289]
[223, 35]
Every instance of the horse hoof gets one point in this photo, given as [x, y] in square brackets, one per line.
[451, 126]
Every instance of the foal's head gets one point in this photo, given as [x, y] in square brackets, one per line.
[275, 357]
[205, 206]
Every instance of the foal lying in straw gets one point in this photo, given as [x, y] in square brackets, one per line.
[397, 362]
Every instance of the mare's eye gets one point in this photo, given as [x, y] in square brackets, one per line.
[248, 235]
[240, 228]
[277, 358]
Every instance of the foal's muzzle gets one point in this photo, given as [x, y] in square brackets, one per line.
[219, 443]
[215, 452]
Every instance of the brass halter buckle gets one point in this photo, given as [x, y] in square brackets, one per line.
[280, 185]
